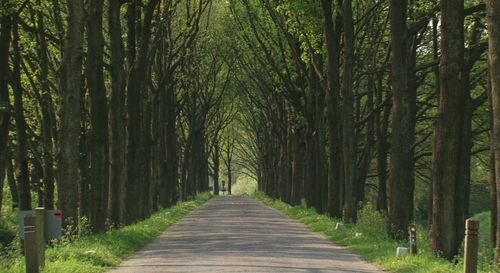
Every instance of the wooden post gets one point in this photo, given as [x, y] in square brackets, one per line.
[413, 240]
[471, 245]
[40, 235]
[30, 245]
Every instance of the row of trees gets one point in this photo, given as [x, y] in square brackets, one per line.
[349, 102]
[115, 108]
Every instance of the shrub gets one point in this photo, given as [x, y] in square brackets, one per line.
[372, 222]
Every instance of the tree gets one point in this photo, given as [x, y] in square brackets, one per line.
[71, 108]
[494, 60]
[5, 38]
[99, 142]
[448, 219]
[348, 130]
[22, 171]
[401, 179]
[117, 117]
[332, 36]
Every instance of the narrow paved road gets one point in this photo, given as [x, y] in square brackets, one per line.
[237, 234]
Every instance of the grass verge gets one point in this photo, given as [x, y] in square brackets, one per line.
[101, 252]
[374, 244]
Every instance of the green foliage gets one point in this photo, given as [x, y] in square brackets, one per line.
[244, 186]
[372, 222]
[374, 245]
[8, 221]
[100, 252]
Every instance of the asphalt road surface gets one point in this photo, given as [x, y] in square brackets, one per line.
[239, 234]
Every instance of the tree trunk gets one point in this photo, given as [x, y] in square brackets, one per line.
[117, 116]
[22, 170]
[348, 133]
[216, 162]
[448, 219]
[85, 187]
[5, 37]
[145, 157]
[48, 117]
[297, 166]
[494, 59]
[11, 179]
[382, 125]
[333, 37]
[136, 85]
[365, 164]
[99, 142]
[229, 162]
[71, 108]
[401, 179]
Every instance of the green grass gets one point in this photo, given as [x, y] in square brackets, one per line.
[374, 245]
[100, 252]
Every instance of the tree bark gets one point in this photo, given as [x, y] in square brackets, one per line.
[216, 162]
[98, 138]
[382, 125]
[333, 35]
[5, 37]
[71, 108]
[136, 83]
[401, 179]
[22, 170]
[348, 133]
[117, 116]
[448, 219]
[48, 117]
[494, 60]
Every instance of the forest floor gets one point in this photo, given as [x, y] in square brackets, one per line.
[240, 234]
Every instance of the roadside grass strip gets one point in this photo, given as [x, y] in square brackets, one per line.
[368, 238]
[101, 252]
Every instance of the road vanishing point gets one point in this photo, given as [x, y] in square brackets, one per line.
[240, 234]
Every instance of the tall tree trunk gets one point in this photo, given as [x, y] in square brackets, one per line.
[145, 157]
[435, 52]
[448, 219]
[229, 162]
[494, 57]
[171, 147]
[493, 186]
[136, 83]
[382, 125]
[22, 170]
[99, 142]
[85, 187]
[364, 167]
[71, 108]
[333, 37]
[48, 120]
[297, 166]
[216, 162]
[401, 179]
[348, 133]
[117, 116]
[168, 143]
[5, 37]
